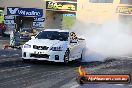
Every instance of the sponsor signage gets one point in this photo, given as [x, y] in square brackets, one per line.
[83, 77]
[24, 11]
[69, 15]
[36, 19]
[69, 6]
[9, 19]
[124, 9]
[38, 22]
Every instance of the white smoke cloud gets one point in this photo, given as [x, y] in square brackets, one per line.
[112, 39]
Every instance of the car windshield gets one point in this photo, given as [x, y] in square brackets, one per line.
[53, 35]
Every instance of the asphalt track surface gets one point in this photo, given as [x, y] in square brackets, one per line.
[41, 74]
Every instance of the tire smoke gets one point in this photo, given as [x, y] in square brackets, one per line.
[112, 39]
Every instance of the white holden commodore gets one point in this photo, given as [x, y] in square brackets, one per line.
[54, 45]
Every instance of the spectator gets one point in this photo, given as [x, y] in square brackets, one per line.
[2, 28]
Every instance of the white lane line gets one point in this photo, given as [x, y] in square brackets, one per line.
[8, 59]
[129, 85]
[119, 84]
[3, 55]
[75, 86]
[15, 54]
[124, 57]
[71, 84]
[15, 68]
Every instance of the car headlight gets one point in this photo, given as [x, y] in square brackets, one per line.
[56, 49]
[27, 46]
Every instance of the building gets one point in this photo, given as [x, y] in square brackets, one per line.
[36, 13]
[17, 16]
[101, 11]
[49, 13]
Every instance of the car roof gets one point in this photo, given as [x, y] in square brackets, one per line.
[58, 30]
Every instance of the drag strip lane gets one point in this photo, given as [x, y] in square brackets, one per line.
[33, 77]
[18, 74]
[42, 74]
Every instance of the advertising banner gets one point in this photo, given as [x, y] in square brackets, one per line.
[73, 15]
[69, 6]
[24, 11]
[38, 22]
[36, 19]
[83, 77]
[9, 19]
[9, 22]
[124, 9]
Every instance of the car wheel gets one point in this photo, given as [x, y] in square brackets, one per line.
[66, 57]
[25, 60]
[80, 59]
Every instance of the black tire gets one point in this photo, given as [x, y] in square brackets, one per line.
[66, 57]
[80, 59]
[25, 60]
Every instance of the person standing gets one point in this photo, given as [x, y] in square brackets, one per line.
[2, 28]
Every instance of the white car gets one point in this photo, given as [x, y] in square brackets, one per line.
[54, 45]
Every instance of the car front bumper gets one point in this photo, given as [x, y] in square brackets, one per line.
[48, 55]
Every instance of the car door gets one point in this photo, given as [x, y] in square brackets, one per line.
[73, 45]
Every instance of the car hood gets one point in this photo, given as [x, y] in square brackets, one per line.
[45, 42]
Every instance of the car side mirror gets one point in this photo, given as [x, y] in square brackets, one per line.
[74, 41]
[81, 39]
[32, 37]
